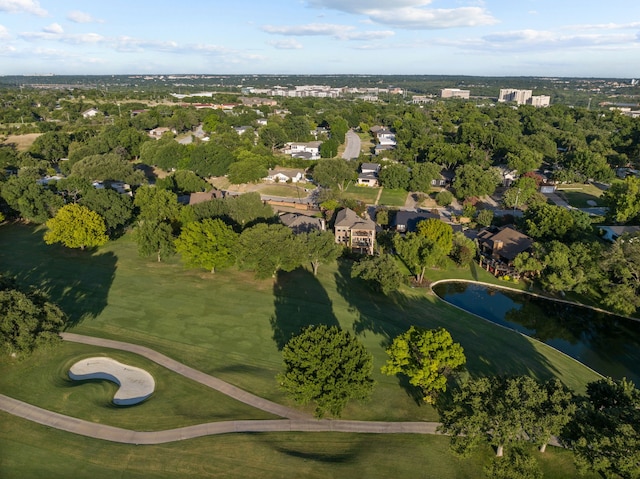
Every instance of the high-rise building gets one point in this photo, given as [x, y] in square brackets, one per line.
[518, 96]
[539, 100]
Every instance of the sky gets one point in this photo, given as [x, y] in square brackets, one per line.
[570, 38]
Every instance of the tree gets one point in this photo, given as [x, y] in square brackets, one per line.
[381, 272]
[27, 322]
[422, 175]
[246, 171]
[485, 217]
[464, 249]
[339, 127]
[444, 198]
[51, 146]
[247, 208]
[620, 283]
[208, 244]
[605, 433]
[154, 237]
[623, 199]
[427, 357]
[498, 410]
[527, 264]
[156, 204]
[107, 167]
[329, 148]
[333, 173]
[114, 208]
[439, 234]
[267, 249]
[516, 464]
[76, 226]
[553, 414]
[326, 366]
[547, 221]
[319, 247]
[473, 180]
[395, 176]
[32, 201]
[417, 252]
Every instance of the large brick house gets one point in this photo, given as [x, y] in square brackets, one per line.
[354, 232]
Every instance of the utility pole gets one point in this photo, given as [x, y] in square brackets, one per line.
[516, 203]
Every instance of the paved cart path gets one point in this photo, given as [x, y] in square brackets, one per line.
[296, 421]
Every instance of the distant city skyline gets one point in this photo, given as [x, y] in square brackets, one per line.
[566, 38]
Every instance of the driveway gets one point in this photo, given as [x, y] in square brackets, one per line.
[353, 146]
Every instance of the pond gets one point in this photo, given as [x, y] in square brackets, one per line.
[606, 343]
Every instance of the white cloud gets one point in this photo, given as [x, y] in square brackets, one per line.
[605, 26]
[55, 28]
[360, 6]
[432, 19]
[288, 44]
[22, 6]
[411, 14]
[77, 16]
[4, 33]
[71, 38]
[339, 32]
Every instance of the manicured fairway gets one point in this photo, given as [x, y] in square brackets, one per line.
[231, 326]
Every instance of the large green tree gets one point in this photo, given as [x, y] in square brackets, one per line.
[422, 175]
[395, 176]
[326, 366]
[33, 202]
[380, 271]
[494, 409]
[623, 199]
[319, 247]
[605, 434]
[334, 173]
[267, 249]
[620, 283]
[27, 322]
[545, 221]
[474, 180]
[154, 238]
[208, 244]
[76, 226]
[115, 209]
[156, 204]
[427, 357]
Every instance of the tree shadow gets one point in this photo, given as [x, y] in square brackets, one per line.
[300, 300]
[77, 281]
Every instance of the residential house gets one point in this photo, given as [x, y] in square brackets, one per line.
[309, 150]
[241, 130]
[503, 244]
[508, 175]
[612, 233]
[90, 113]
[445, 179]
[202, 196]
[300, 223]
[321, 132]
[283, 175]
[158, 132]
[407, 221]
[385, 139]
[354, 232]
[369, 174]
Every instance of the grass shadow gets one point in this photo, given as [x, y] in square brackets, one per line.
[300, 300]
[77, 281]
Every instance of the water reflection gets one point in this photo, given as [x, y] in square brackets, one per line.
[606, 343]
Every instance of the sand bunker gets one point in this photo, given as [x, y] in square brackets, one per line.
[136, 384]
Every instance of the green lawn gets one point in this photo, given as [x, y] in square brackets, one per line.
[391, 197]
[231, 326]
[366, 194]
[579, 195]
[30, 450]
[286, 191]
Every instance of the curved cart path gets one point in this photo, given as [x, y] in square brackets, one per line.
[296, 421]
[198, 376]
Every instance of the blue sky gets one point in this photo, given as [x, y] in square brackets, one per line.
[587, 38]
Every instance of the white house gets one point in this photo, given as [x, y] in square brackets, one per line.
[90, 113]
[283, 175]
[309, 150]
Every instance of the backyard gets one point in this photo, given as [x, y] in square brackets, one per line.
[232, 326]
